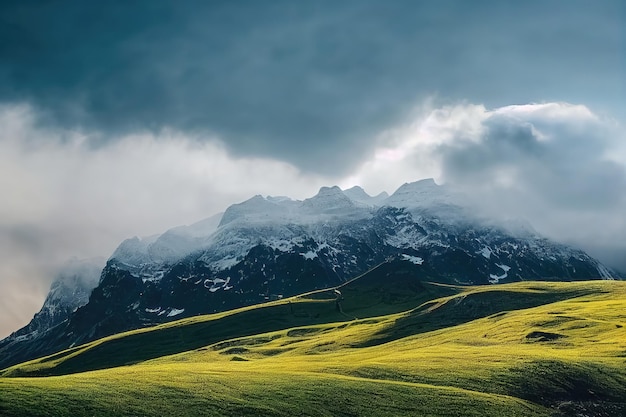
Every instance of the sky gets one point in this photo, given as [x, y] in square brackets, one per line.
[120, 119]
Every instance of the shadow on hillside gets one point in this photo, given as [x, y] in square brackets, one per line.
[440, 314]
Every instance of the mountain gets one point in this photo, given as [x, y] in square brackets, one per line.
[358, 194]
[268, 248]
[69, 291]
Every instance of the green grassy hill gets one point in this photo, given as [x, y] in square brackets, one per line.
[384, 344]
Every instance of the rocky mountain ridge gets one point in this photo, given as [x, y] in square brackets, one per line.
[272, 247]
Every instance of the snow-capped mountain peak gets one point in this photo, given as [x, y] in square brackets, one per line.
[329, 200]
[134, 251]
[255, 209]
[280, 199]
[271, 247]
[167, 247]
[359, 195]
[423, 193]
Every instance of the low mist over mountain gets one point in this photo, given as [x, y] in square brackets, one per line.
[268, 248]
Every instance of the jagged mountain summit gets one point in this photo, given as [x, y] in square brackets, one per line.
[272, 247]
[358, 194]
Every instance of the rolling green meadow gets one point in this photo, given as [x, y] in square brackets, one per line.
[383, 344]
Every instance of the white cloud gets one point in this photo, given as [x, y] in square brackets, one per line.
[63, 197]
[558, 165]
[409, 152]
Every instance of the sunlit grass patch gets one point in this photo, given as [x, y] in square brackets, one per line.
[515, 349]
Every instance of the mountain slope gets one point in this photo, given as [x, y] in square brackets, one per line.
[69, 291]
[269, 248]
[558, 351]
[388, 288]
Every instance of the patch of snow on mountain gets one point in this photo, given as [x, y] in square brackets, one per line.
[423, 193]
[494, 279]
[309, 255]
[224, 263]
[604, 272]
[171, 246]
[144, 254]
[256, 209]
[486, 252]
[440, 205]
[283, 245]
[175, 312]
[328, 199]
[407, 237]
[134, 251]
[280, 199]
[217, 283]
[332, 202]
[25, 337]
[415, 259]
[358, 194]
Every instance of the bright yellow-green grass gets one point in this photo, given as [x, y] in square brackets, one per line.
[525, 349]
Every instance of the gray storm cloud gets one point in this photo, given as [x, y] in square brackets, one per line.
[303, 82]
[558, 165]
[563, 159]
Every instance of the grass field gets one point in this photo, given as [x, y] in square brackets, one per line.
[525, 349]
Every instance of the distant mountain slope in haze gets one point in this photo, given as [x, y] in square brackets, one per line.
[69, 291]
